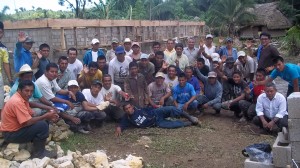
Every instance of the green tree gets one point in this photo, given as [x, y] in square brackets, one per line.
[3, 15]
[78, 6]
[229, 14]
[139, 11]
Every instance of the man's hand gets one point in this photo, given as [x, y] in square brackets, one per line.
[201, 43]
[185, 106]
[205, 105]
[85, 69]
[118, 131]
[51, 116]
[162, 101]
[177, 62]
[223, 58]
[221, 40]
[39, 55]
[269, 69]
[271, 125]
[265, 124]
[164, 65]
[108, 96]
[22, 37]
[70, 104]
[76, 120]
[247, 90]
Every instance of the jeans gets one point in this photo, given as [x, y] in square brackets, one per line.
[248, 109]
[202, 99]
[165, 112]
[282, 122]
[114, 113]
[34, 132]
[191, 106]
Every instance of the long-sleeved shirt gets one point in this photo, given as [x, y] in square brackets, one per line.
[21, 57]
[212, 91]
[271, 108]
[195, 83]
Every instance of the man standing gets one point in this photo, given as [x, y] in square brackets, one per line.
[119, 68]
[64, 74]
[191, 51]
[170, 49]
[246, 65]
[111, 54]
[207, 49]
[75, 66]
[22, 54]
[271, 110]
[18, 125]
[4, 59]
[155, 48]
[178, 59]
[127, 46]
[92, 54]
[265, 52]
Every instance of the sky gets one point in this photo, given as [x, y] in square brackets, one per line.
[27, 4]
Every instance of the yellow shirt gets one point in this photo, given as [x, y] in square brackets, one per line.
[87, 79]
[169, 53]
[3, 56]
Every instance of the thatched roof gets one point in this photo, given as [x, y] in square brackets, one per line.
[268, 15]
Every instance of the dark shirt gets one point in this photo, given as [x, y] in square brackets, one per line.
[266, 56]
[43, 62]
[238, 88]
[104, 70]
[204, 71]
[195, 83]
[140, 118]
[79, 99]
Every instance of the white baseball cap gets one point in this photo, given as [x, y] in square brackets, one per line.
[215, 57]
[209, 36]
[241, 54]
[94, 41]
[146, 56]
[127, 40]
[73, 83]
[160, 74]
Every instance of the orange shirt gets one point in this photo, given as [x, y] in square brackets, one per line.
[15, 113]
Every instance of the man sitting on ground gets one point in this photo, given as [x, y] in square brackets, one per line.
[191, 79]
[18, 125]
[143, 118]
[271, 110]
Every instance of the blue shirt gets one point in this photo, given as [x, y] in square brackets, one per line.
[79, 99]
[36, 93]
[183, 94]
[140, 118]
[21, 57]
[195, 83]
[289, 73]
[224, 51]
[88, 58]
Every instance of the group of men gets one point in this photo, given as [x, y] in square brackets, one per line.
[132, 88]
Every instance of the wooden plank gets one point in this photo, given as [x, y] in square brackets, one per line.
[26, 24]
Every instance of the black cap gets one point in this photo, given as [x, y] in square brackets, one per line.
[96, 82]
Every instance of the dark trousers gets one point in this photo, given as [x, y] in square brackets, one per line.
[282, 122]
[35, 132]
[235, 108]
[114, 113]
[165, 112]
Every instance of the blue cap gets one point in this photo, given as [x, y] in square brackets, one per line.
[120, 50]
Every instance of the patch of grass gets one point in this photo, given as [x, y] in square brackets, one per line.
[75, 142]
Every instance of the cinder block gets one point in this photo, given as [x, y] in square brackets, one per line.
[296, 151]
[251, 164]
[294, 131]
[281, 154]
[293, 105]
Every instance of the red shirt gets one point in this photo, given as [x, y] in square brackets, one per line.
[257, 90]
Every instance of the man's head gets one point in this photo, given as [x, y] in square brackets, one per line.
[144, 60]
[229, 43]
[25, 89]
[270, 90]
[62, 63]
[127, 44]
[155, 46]
[95, 44]
[191, 43]
[135, 48]
[242, 57]
[279, 63]
[28, 43]
[25, 73]
[230, 62]
[106, 79]
[114, 43]
[96, 87]
[1, 29]
[120, 53]
[237, 77]
[133, 68]
[182, 79]
[172, 71]
[101, 61]
[128, 108]
[212, 77]
[265, 39]
[200, 62]
[188, 72]
[260, 74]
[72, 55]
[159, 78]
[73, 86]
[44, 50]
[159, 57]
[209, 39]
[51, 71]
[179, 49]
[170, 44]
[93, 68]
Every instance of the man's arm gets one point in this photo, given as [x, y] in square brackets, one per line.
[200, 75]
[6, 67]
[59, 100]
[41, 106]
[69, 117]
[51, 115]
[45, 101]
[88, 106]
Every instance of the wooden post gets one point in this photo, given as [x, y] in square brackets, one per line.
[62, 38]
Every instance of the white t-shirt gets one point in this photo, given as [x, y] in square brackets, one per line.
[75, 68]
[128, 53]
[249, 67]
[114, 90]
[119, 70]
[47, 88]
[171, 83]
[94, 56]
[208, 51]
[90, 98]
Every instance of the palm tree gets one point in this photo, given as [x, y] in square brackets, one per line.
[226, 14]
[3, 12]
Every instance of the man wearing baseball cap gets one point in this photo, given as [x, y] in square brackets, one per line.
[228, 50]
[91, 55]
[136, 51]
[127, 46]
[111, 53]
[246, 65]
[146, 68]
[207, 49]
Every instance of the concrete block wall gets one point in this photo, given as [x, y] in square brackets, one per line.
[281, 154]
[294, 124]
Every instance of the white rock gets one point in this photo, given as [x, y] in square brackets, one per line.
[60, 152]
[67, 164]
[51, 143]
[22, 155]
[129, 162]
[28, 164]
[63, 159]
[14, 164]
[11, 150]
[49, 166]
[5, 163]
[97, 159]
[41, 162]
